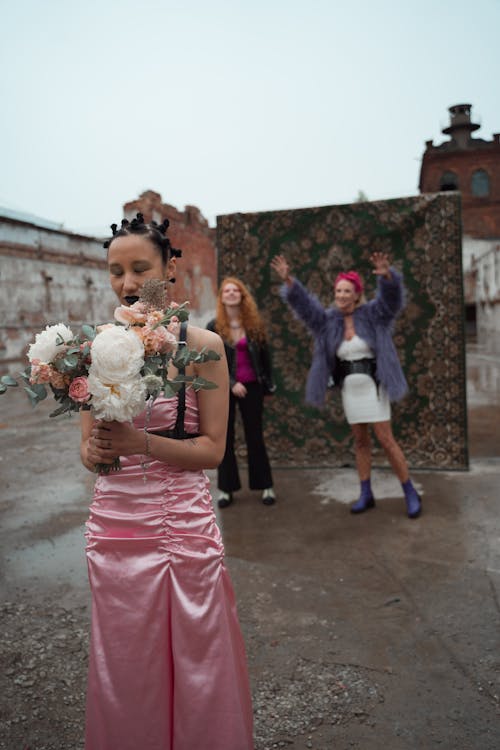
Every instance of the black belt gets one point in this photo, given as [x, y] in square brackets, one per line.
[345, 367]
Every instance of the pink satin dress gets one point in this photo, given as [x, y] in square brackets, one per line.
[167, 664]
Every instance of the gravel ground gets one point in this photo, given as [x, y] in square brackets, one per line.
[43, 664]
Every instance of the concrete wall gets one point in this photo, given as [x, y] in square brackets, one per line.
[47, 276]
[487, 272]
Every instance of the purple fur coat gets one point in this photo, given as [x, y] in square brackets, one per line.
[373, 322]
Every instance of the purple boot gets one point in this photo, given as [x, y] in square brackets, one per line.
[366, 499]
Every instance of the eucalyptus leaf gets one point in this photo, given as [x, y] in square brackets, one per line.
[182, 314]
[200, 384]
[182, 357]
[152, 363]
[33, 397]
[89, 332]
[182, 379]
[9, 380]
[169, 391]
[40, 390]
[59, 365]
[60, 410]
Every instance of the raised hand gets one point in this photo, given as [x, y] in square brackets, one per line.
[380, 262]
[280, 264]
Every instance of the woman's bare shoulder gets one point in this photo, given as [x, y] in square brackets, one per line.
[200, 337]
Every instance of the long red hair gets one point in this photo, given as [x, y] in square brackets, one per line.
[250, 318]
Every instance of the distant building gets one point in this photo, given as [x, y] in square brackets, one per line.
[48, 275]
[472, 166]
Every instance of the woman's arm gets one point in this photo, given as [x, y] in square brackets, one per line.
[390, 291]
[306, 306]
[203, 452]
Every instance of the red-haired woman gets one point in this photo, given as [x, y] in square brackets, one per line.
[241, 328]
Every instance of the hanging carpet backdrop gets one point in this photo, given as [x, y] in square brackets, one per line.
[423, 238]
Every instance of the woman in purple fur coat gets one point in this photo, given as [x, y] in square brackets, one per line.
[353, 345]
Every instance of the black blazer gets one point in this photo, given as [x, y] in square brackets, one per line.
[260, 357]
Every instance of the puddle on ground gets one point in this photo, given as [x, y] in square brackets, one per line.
[60, 560]
[342, 485]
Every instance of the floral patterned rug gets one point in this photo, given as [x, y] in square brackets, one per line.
[423, 238]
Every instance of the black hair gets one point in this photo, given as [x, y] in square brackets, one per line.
[156, 233]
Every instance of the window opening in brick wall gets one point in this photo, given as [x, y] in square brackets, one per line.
[480, 183]
[448, 181]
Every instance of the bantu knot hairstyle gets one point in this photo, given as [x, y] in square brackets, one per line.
[156, 233]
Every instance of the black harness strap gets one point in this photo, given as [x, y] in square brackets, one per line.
[178, 432]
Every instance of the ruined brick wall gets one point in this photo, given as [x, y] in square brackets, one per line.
[47, 276]
[197, 269]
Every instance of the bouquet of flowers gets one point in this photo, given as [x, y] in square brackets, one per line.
[112, 369]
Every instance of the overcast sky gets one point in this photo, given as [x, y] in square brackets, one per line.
[232, 106]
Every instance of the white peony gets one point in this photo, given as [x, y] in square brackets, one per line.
[45, 347]
[117, 401]
[117, 355]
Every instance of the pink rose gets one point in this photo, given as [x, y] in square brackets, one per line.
[40, 372]
[173, 326]
[132, 315]
[79, 390]
[158, 340]
[154, 316]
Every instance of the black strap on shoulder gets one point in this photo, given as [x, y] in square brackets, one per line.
[178, 432]
[181, 395]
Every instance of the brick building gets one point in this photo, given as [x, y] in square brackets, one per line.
[472, 166]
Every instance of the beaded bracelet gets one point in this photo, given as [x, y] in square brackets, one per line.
[148, 443]
[146, 455]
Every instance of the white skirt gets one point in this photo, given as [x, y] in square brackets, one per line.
[362, 404]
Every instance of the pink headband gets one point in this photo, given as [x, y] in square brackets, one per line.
[353, 277]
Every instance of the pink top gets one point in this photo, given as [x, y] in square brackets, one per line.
[244, 369]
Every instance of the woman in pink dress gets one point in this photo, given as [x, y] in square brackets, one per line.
[167, 660]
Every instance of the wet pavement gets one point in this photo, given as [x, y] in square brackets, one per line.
[364, 632]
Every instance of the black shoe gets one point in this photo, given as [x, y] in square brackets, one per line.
[268, 496]
[225, 499]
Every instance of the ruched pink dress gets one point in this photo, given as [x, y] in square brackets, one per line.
[167, 664]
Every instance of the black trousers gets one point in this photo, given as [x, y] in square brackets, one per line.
[259, 470]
